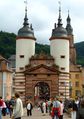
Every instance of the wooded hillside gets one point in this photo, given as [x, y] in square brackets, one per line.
[8, 47]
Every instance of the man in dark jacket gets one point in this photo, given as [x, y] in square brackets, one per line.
[80, 113]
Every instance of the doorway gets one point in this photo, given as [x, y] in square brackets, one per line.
[41, 91]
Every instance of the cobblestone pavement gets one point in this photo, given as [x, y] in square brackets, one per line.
[36, 114]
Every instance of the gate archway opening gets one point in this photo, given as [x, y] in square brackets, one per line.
[41, 91]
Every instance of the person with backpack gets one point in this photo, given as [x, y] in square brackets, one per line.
[11, 106]
[55, 109]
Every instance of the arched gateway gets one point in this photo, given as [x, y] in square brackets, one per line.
[41, 91]
[41, 78]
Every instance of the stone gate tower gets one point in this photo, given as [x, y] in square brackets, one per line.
[59, 49]
[25, 44]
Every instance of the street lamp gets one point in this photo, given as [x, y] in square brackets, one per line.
[70, 88]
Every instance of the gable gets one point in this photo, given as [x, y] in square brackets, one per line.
[42, 69]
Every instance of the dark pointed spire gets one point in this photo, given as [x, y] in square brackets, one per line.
[68, 18]
[68, 26]
[25, 19]
[59, 19]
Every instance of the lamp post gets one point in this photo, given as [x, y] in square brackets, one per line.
[70, 89]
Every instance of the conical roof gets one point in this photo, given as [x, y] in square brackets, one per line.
[59, 32]
[26, 31]
[68, 26]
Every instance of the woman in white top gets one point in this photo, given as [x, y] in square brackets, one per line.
[61, 110]
[44, 107]
[29, 108]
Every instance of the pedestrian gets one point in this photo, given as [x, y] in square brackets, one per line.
[29, 108]
[50, 106]
[7, 107]
[11, 106]
[1, 104]
[55, 108]
[18, 108]
[70, 107]
[41, 107]
[74, 110]
[77, 101]
[61, 109]
[4, 107]
[44, 107]
[80, 112]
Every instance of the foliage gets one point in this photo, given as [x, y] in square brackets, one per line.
[8, 46]
[42, 48]
[80, 52]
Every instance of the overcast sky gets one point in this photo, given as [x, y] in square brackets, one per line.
[42, 14]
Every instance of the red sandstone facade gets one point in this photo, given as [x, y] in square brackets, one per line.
[40, 69]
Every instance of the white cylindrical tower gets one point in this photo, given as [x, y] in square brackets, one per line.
[59, 49]
[59, 46]
[25, 45]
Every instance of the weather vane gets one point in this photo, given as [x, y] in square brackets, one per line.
[59, 8]
[59, 2]
[25, 4]
[59, 5]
